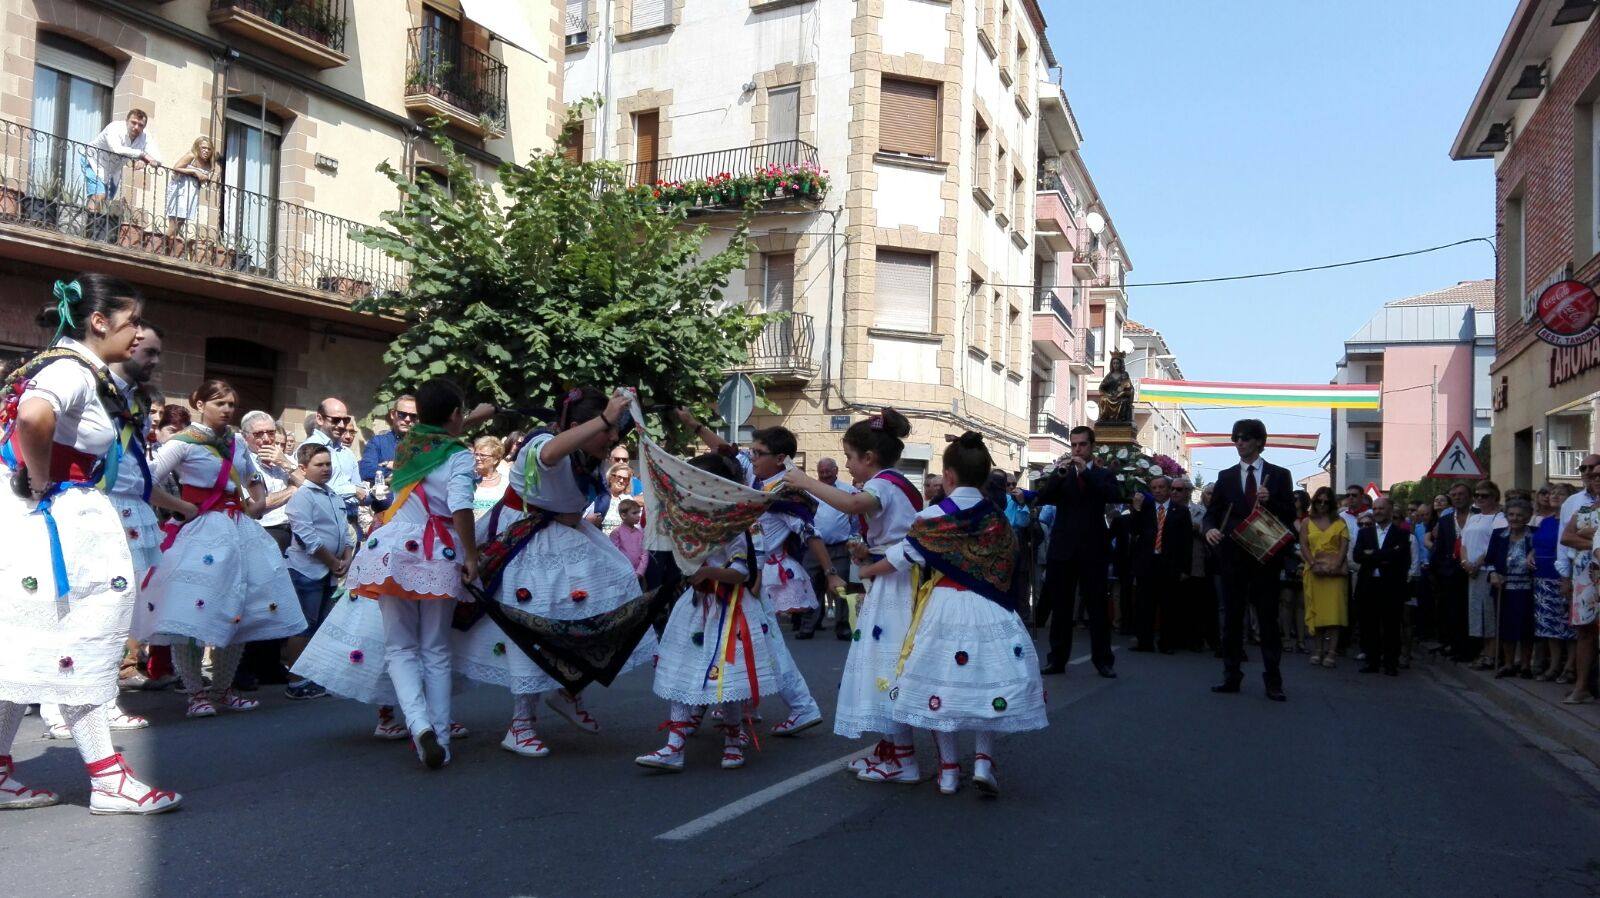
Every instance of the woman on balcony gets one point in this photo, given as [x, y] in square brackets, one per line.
[183, 191]
[66, 577]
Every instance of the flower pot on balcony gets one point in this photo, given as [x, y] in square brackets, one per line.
[345, 286]
[10, 202]
[130, 235]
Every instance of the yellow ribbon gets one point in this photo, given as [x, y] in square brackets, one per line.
[921, 590]
[727, 636]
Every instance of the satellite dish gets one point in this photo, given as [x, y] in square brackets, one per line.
[1095, 221]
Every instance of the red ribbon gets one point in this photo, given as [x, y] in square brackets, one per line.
[784, 574]
[437, 528]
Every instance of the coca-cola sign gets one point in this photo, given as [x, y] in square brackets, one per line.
[1568, 313]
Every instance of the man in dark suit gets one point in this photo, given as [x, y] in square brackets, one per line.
[1450, 579]
[1247, 582]
[1383, 552]
[1079, 551]
[1163, 549]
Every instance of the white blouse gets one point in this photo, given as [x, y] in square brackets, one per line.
[902, 555]
[70, 389]
[198, 466]
[773, 529]
[449, 488]
[894, 516]
[556, 490]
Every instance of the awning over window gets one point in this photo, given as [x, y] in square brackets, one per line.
[506, 20]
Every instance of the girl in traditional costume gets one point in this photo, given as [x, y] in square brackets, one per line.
[66, 576]
[221, 580]
[715, 651]
[414, 567]
[887, 503]
[553, 565]
[969, 662]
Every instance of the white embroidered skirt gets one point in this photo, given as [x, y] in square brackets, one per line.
[972, 667]
[691, 664]
[223, 582]
[864, 704]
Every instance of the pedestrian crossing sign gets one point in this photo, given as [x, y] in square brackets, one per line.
[1458, 461]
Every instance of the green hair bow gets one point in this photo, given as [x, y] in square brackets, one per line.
[66, 293]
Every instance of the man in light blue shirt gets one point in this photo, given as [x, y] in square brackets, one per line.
[835, 529]
[333, 417]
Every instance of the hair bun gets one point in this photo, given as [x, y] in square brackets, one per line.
[970, 440]
[895, 424]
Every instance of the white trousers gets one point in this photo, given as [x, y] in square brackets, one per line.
[418, 655]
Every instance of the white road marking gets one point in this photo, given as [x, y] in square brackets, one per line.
[751, 802]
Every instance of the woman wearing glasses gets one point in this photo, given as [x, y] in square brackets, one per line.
[488, 456]
[1481, 523]
[1324, 545]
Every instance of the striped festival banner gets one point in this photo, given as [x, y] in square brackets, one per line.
[1275, 441]
[1198, 392]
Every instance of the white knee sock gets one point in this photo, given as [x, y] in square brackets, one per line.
[224, 664]
[985, 743]
[947, 746]
[91, 730]
[186, 661]
[10, 720]
[524, 705]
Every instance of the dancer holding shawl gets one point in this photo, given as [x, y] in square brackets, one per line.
[784, 528]
[413, 564]
[968, 663]
[66, 577]
[887, 503]
[554, 566]
[221, 580]
[715, 650]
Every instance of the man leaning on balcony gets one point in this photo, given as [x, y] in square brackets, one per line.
[109, 152]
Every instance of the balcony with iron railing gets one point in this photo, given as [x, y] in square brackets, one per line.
[1047, 439]
[1052, 326]
[463, 85]
[783, 351]
[1564, 463]
[1056, 213]
[782, 173]
[311, 31]
[165, 226]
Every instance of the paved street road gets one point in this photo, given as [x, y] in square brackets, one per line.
[1146, 785]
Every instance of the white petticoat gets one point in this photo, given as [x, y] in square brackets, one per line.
[395, 552]
[558, 561]
[690, 647]
[223, 582]
[793, 594]
[881, 624]
[972, 667]
[63, 650]
[143, 530]
[791, 683]
[347, 654]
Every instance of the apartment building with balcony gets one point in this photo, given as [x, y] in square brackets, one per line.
[1432, 353]
[1064, 195]
[1536, 115]
[1159, 428]
[301, 99]
[908, 279]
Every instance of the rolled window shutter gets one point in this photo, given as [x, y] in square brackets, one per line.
[783, 115]
[904, 291]
[780, 282]
[649, 13]
[577, 17]
[909, 118]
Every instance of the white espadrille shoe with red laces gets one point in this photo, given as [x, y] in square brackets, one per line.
[14, 796]
[795, 724]
[983, 776]
[116, 791]
[522, 739]
[669, 757]
[732, 746]
[122, 720]
[200, 706]
[949, 778]
[388, 728]
[901, 768]
[233, 701]
[458, 731]
[571, 707]
[881, 753]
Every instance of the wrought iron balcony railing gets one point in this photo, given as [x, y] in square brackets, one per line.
[322, 21]
[466, 78]
[188, 220]
[730, 164]
[1047, 424]
[783, 348]
[1046, 300]
[1051, 181]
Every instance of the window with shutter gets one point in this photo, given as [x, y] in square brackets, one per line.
[577, 22]
[572, 144]
[783, 114]
[650, 13]
[909, 118]
[905, 291]
[778, 292]
[646, 145]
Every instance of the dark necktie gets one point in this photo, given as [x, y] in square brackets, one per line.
[1250, 486]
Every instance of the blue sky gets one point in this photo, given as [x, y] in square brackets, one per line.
[1235, 137]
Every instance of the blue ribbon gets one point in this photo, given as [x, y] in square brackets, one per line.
[722, 617]
[58, 560]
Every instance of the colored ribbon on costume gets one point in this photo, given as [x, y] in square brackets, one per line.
[127, 439]
[217, 495]
[58, 559]
[66, 293]
[784, 574]
[436, 529]
[419, 453]
[922, 589]
[734, 632]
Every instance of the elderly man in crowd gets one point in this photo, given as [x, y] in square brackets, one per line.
[262, 661]
[835, 529]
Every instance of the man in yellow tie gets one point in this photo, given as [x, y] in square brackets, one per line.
[1163, 543]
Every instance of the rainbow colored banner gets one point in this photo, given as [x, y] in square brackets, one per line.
[1198, 392]
[1275, 441]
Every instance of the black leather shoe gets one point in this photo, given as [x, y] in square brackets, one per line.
[1225, 688]
[1275, 693]
[1052, 669]
[1105, 671]
[1368, 668]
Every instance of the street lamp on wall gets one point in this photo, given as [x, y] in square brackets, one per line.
[1498, 138]
[1574, 11]
[1530, 85]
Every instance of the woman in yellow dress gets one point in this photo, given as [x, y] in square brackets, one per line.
[1324, 544]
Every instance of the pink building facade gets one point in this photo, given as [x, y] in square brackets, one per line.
[1432, 355]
